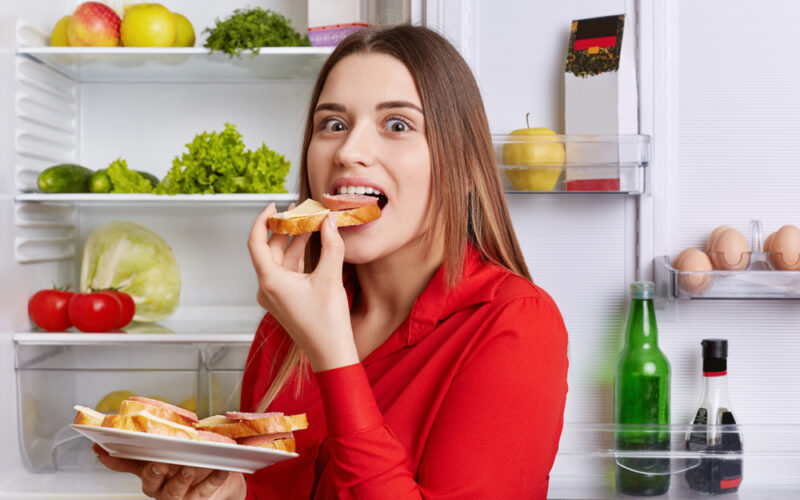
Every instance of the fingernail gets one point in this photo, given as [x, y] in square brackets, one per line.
[220, 474]
[156, 470]
[187, 473]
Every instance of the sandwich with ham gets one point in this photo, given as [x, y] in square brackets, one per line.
[349, 209]
[265, 430]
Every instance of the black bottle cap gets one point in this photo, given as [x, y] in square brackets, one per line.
[715, 355]
[715, 348]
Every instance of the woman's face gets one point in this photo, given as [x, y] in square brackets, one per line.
[369, 135]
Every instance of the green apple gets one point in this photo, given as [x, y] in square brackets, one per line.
[536, 157]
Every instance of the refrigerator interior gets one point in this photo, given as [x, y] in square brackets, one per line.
[722, 122]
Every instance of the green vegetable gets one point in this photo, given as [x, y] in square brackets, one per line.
[220, 163]
[99, 182]
[64, 178]
[150, 177]
[132, 259]
[125, 180]
[252, 29]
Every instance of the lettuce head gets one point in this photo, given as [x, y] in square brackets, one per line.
[132, 259]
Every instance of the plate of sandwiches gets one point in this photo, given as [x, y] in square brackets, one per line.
[153, 431]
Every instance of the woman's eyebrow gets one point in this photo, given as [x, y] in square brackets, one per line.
[330, 107]
[398, 104]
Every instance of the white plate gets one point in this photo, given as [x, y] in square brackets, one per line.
[172, 450]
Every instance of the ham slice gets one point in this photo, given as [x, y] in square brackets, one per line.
[347, 201]
[264, 438]
[238, 415]
[183, 412]
[213, 436]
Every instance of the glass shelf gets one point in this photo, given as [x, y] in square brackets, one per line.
[174, 65]
[257, 199]
[573, 163]
[587, 459]
[747, 284]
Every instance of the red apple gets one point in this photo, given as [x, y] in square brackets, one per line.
[93, 24]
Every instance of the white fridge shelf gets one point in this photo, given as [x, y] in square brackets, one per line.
[280, 199]
[184, 65]
[611, 164]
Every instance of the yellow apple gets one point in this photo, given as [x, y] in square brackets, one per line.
[535, 157]
[59, 38]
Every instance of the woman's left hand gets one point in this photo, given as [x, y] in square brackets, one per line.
[312, 308]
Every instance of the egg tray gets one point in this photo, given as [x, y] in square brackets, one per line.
[759, 280]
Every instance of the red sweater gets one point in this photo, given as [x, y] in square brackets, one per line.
[464, 400]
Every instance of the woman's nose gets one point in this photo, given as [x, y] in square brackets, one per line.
[357, 148]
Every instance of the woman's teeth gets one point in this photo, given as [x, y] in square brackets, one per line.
[358, 190]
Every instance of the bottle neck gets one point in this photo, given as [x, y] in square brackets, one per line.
[642, 330]
[715, 393]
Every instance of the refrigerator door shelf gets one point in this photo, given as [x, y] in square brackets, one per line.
[281, 200]
[536, 163]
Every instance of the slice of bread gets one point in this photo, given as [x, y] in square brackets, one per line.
[309, 215]
[243, 428]
[151, 424]
[132, 407]
[88, 416]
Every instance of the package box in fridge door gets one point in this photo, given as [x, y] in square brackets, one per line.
[130, 258]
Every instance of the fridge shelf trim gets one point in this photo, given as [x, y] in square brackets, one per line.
[42, 338]
[278, 198]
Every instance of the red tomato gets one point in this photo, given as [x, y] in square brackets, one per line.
[48, 309]
[128, 306]
[95, 312]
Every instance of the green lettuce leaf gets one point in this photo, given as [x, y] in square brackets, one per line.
[125, 180]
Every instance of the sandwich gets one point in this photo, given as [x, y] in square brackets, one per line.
[266, 430]
[349, 209]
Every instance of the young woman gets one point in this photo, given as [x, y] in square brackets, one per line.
[428, 364]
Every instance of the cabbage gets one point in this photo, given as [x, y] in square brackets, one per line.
[132, 259]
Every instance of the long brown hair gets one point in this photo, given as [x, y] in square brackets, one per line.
[468, 201]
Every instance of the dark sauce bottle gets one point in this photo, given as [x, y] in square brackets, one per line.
[717, 433]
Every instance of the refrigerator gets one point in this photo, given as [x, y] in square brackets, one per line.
[715, 143]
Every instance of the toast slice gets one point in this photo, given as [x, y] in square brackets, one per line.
[88, 416]
[146, 422]
[236, 429]
[132, 407]
[309, 215]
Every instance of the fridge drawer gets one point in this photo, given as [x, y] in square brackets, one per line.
[52, 379]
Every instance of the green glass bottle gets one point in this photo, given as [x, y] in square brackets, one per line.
[641, 396]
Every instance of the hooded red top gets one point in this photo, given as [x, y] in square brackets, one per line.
[464, 400]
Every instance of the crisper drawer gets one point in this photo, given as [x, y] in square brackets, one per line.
[588, 459]
[51, 379]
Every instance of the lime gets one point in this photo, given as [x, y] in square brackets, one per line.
[148, 25]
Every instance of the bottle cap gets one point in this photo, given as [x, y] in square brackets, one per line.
[715, 348]
[643, 289]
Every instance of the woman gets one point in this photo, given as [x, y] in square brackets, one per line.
[432, 366]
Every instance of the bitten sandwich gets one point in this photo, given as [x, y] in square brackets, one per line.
[349, 209]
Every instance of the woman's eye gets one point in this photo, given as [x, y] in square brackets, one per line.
[397, 125]
[332, 125]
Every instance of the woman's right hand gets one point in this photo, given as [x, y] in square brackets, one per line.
[164, 481]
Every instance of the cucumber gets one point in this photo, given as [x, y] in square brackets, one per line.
[150, 177]
[64, 178]
[100, 182]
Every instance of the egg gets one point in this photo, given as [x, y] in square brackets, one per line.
[693, 259]
[713, 236]
[730, 251]
[785, 248]
[768, 243]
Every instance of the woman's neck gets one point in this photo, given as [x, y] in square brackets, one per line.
[389, 286]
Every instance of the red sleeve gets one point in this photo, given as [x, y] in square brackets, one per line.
[496, 433]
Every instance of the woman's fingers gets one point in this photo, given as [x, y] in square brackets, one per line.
[257, 242]
[295, 252]
[332, 256]
[277, 244]
[178, 485]
[153, 476]
[206, 488]
[117, 464]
